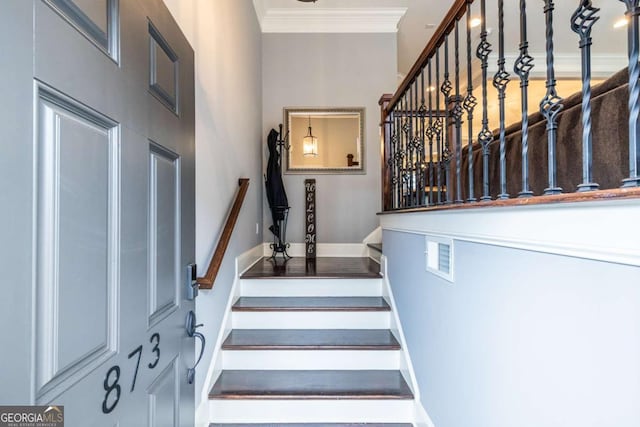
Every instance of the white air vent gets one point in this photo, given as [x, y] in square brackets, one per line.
[439, 256]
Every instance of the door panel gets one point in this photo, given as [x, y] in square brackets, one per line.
[164, 69]
[164, 232]
[93, 326]
[77, 225]
[95, 10]
[163, 401]
[97, 20]
[74, 66]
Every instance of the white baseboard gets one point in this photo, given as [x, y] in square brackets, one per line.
[374, 237]
[422, 419]
[247, 259]
[349, 250]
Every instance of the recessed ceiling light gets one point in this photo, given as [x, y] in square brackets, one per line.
[622, 22]
[475, 22]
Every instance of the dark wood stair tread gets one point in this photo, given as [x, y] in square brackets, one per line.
[311, 304]
[320, 268]
[311, 339]
[316, 384]
[315, 425]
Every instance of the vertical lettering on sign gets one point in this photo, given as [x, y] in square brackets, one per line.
[310, 214]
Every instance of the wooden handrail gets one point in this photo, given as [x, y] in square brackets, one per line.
[206, 282]
[446, 26]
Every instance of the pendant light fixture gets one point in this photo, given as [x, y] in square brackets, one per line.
[310, 143]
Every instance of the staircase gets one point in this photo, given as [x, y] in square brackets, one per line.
[311, 348]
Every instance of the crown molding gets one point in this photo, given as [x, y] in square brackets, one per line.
[318, 20]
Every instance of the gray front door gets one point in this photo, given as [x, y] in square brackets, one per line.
[97, 210]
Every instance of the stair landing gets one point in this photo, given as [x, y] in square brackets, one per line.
[320, 268]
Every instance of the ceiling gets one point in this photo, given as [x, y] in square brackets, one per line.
[423, 16]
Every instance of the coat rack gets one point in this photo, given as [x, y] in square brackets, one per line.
[276, 194]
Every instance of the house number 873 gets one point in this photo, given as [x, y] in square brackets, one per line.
[111, 385]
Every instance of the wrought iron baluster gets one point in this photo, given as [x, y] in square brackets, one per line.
[391, 160]
[411, 179]
[405, 170]
[551, 104]
[485, 136]
[522, 67]
[402, 152]
[414, 141]
[632, 13]
[470, 103]
[387, 150]
[500, 82]
[423, 112]
[389, 157]
[582, 21]
[446, 152]
[438, 129]
[398, 154]
[408, 178]
[457, 116]
[416, 138]
[430, 134]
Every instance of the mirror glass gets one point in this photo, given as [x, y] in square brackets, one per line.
[333, 144]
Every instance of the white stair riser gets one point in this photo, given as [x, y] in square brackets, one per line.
[311, 287]
[311, 320]
[311, 359]
[316, 411]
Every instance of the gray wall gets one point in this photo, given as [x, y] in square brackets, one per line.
[227, 41]
[521, 338]
[330, 70]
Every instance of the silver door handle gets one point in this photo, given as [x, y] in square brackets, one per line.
[191, 331]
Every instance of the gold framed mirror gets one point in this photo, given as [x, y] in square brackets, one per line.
[324, 140]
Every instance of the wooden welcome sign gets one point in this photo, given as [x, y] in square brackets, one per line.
[310, 214]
